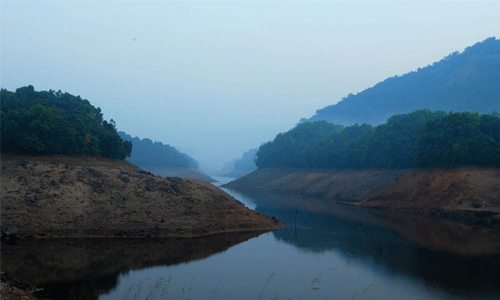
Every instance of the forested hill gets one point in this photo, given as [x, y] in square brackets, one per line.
[467, 81]
[146, 153]
[56, 123]
[419, 139]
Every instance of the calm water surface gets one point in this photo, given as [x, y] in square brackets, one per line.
[333, 253]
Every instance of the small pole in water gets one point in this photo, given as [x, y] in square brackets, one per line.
[296, 211]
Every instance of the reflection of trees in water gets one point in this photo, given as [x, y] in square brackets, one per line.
[86, 289]
[456, 274]
[85, 268]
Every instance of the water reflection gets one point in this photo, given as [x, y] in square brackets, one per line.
[384, 249]
[444, 235]
[431, 233]
[400, 256]
[84, 268]
[457, 258]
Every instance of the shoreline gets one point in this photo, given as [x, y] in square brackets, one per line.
[72, 197]
[467, 194]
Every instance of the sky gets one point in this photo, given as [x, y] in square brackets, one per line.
[215, 79]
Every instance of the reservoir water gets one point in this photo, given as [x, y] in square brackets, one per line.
[324, 253]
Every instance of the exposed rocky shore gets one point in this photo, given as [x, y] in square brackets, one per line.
[53, 197]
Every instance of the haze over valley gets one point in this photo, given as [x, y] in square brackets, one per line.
[215, 79]
[250, 150]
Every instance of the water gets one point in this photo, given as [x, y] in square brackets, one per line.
[334, 252]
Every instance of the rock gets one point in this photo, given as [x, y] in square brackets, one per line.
[10, 234]
[95, 173]
[123, 172]
[126, 179]
[97, 187]
[33, 196]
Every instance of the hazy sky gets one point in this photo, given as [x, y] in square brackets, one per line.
[220, 78]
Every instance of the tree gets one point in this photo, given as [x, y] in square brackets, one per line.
[49, 123]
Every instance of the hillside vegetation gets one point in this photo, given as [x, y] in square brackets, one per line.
[467, 81]
[50, 123]
[419, 139]
[288, 148]
[146, 153]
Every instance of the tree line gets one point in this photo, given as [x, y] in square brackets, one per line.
[419, 139]
[50, 123]
[147, 153]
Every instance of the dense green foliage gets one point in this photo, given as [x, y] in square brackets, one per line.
[288, 148]
[422, 138]
[460, 139]
[147, 153]
[50, 123]
[467, 81]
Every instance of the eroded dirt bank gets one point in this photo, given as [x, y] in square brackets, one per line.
[89, 197]
[340, 185]
[467, 194]
[464, 194]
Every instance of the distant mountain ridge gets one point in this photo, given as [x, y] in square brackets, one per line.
[146, 153]
[242, 166]
[467, 81]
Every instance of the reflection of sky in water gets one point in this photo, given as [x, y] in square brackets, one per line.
[242, 271]
[328, 259]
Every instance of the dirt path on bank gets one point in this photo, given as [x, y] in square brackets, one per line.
[51, 197]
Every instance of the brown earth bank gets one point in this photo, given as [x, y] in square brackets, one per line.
[465, 188]
[53, 197]
[340, 185]
[186, 173]
[467, 194]
[13, 289]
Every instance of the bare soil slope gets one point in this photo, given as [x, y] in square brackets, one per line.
[466, 188]
[87, 197]
[185, 173]
[342, 185]
[468, 194]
